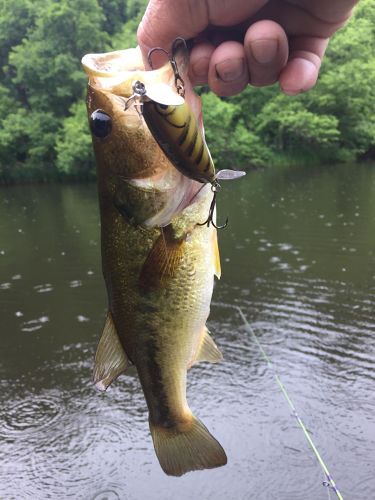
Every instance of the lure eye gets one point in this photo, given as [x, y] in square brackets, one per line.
[100, 124]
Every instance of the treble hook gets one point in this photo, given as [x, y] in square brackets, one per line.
[215, 187]
[178, 81]
[155, 49]
[176, 48]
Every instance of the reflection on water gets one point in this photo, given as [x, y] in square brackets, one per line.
[298, 257]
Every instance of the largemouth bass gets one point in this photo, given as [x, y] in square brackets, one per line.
[158, 262]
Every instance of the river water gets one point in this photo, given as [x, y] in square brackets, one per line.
[298, 257]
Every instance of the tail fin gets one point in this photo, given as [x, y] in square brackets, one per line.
[186, 448]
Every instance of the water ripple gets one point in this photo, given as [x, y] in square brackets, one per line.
[106, 495]
[28, 415]
[61, 439]
[34, 324]
[69, 458]
[75, 283]
[45, 288]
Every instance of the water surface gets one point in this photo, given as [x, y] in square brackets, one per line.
[298, 257]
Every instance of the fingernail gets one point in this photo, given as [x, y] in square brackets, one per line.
[230, 69]
[292, 92]
[302, 76]
[264, 51]
[200, 68]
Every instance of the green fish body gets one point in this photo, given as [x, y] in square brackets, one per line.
[158, 263]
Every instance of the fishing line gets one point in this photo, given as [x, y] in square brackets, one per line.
[328, 481]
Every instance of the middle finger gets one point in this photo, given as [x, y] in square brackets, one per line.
[266, 48]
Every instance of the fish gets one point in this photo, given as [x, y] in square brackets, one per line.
[158, 263]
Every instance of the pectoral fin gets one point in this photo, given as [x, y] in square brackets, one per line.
[207, 350]
[110, 358]
[163, 261]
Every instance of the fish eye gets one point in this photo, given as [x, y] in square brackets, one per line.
[100, 124]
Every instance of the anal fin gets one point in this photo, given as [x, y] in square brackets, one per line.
[110, 358]
[207, 349]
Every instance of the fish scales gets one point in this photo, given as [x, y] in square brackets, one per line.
[158, 263]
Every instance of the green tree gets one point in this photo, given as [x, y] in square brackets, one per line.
[127, 36]
[47, 62]
[336, 120]
[346, 88]
[73, 146]
[115, 12]
[16, 18]
[43, 78]
[230, 142]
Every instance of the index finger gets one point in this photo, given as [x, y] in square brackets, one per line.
[165, 20]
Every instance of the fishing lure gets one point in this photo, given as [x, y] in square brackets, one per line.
[176, 130]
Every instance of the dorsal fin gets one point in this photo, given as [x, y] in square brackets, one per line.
[216, 255]
[110, 358]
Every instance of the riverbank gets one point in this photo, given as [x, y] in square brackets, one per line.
[283, 161]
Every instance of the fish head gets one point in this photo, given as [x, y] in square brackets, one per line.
[122, 143]
[130, 163]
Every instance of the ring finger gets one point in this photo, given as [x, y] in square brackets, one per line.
[228, 73]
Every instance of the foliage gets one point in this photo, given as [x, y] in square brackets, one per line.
[73, 147]
[43, 123]
[237, 146]
[127, 35]
[27, 142]
[336, 120]
[46, 62]
[115, 14]
[42, 78]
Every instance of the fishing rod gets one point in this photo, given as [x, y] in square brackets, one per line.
[329, 481]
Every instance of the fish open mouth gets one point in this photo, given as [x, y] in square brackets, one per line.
[114, 74]
[117, 71]
[110, 64]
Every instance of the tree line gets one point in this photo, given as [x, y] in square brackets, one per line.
[43, 124]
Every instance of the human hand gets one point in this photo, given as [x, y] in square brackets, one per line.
[240, 42]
